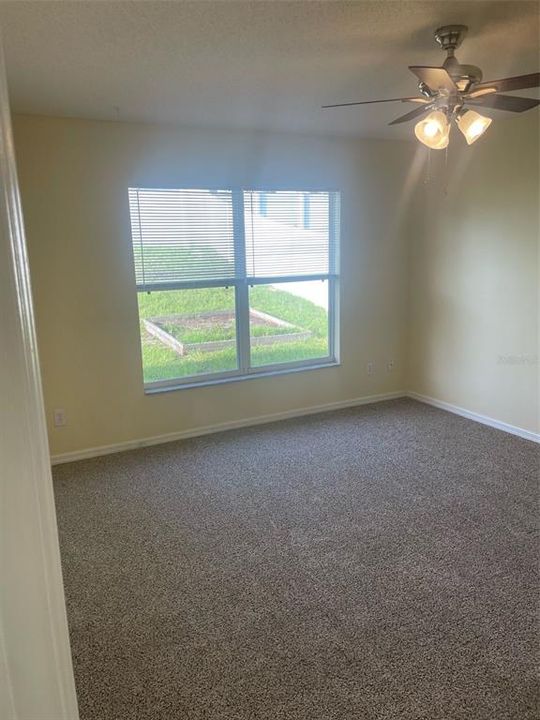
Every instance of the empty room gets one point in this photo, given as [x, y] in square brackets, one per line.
[269, 388]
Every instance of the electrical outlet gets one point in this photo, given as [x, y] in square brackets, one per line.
[390, 365]
[369, 368]
[59, 417]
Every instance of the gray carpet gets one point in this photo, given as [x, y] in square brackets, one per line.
[373, 563]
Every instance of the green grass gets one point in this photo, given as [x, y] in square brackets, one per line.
[161, 363]
[285, 306]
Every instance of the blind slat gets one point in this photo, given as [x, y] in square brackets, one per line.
[186, 236]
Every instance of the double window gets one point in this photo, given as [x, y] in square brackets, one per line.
[234, 283]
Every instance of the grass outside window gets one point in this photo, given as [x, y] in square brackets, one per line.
[161, 363]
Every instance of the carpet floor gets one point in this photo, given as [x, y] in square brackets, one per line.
[377, 563]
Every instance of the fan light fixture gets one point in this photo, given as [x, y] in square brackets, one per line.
[472, 125]
[433, 130]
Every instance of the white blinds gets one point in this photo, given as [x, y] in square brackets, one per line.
[198, 237]
[288, 233]
[181, 235]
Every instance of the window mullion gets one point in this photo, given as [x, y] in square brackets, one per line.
[242, 292]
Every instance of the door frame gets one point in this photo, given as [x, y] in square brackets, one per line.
[36, 673]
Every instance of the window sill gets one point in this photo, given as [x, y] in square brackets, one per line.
[171, 385]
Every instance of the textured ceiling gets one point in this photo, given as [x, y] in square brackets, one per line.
[262, 64]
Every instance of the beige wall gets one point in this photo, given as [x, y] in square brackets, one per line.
[474, 276]
[74, 177]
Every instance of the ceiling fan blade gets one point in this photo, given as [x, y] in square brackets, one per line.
[436, 78]
[371, 102]
[481, 92]
[412, 114]
[520, 82]
[504, 102]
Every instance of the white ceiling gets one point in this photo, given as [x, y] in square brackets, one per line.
[260, 64]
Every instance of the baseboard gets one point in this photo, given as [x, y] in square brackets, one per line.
[220, 427]
[484, 419]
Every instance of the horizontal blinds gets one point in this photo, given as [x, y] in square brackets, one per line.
[289, 233]
[181, 235]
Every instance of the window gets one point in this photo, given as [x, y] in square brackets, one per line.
[234, 283]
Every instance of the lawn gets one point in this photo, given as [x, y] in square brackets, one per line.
[162, 363]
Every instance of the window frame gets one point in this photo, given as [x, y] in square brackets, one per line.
[241, 284]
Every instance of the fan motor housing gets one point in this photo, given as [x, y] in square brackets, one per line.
[463, 75]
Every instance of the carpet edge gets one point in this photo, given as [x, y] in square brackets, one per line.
[476, 417]
[98, 451]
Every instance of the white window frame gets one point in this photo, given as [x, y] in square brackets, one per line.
[241, 284]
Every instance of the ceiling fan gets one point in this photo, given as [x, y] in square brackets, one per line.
[449, 92]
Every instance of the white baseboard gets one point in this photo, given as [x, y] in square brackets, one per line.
[220, 427]
[484, 419]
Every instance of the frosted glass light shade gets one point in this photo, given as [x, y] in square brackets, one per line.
[433, 130]
[472, 125]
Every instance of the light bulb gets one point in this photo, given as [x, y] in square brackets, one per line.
[433, 130]
[472, 125]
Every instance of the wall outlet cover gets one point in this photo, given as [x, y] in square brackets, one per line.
[59, 417]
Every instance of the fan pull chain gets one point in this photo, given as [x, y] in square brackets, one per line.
[445, 190]
[428, 168]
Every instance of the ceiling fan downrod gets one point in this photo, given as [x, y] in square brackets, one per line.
[449, 38]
